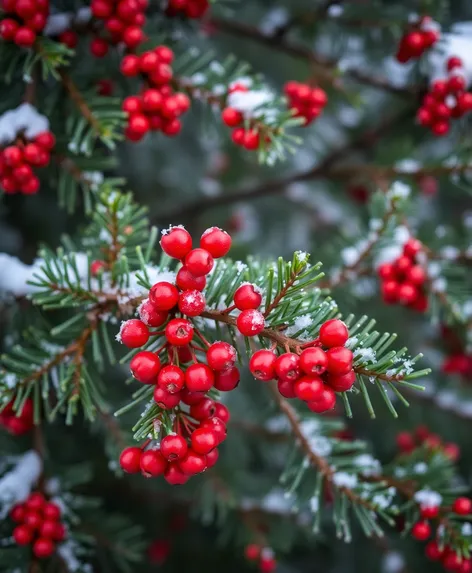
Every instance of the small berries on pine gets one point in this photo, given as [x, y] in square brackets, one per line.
[199, 378]
[174, 475]
[429, 512]
[221, 356]
[227, 380]
[216, 241]
[35, 501]
[130, 460]
[252, 552]
[191, 398]
[193, 463]
[313, 360]
[199, 262]
[405, 442]
[462, 506]
[145, 367]
[287, 367]
[262, 365]
[174, 447]
[286, 388]
[333, 333]
[171, 379]
[23, 534]
[179, 331]
[51, 511]
[176, 242]
[222, 412]
[191, 302]
[150, 315]
[203, 409]
[247, 297]
[250, 322]
[432, 551]
[134, 333]
[308, 388]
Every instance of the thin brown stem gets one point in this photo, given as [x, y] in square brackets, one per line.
[79, 101]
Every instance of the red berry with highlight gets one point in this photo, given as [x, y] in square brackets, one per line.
[176, 242]
[199, 262]
[326, 401]
[153, 463]
[186, 281]
[191, 302]
[203, 440]
[247, 296]
[134, 333]
[171, 379]
[145, 367]
[250, 322]
[287, 367]
[308, 388]
[333, 333]
[179, 331]
[130, 460]
[262, 365]
[227, 380]
[216, 241]
[313, 360]
[339, 360]
[199, 378]
[221, 356]
[174, 447]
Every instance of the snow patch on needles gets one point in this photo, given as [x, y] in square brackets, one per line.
[251, 103]
[16, 485]
[273, 19]
[23, 118]
[428, 498]
[393, 562]
[368, 465]
[343, 479]
[301, 323]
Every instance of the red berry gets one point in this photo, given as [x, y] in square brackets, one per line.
[221, 356]
[150, 316]
[176, 242]
[134, 333]
[231, 117]
[403, 264]
[130, 65]
[286, 388]
[339, 360]
[440, 128]
[429, 512]
[308, 388]
[333, 333]
[212, 458]
[161, 75]
[313, 360]
[43, 548]
[454, 62]
[166, 400]
[174, 447]
[405, 442]
[216, 241]
[35, 501]
[238, 135]
[13, 156]
[45, 139]
[131, 104]
[101, 9]
[174, 475]
[69, 38]
[451, 561]
[191, 398]
[462, 506]
[145, 367]
[60, 532]
[343, 382]
[203, 440]
[452, 451]
[227, 380]
[33, 519]
[456, 84]
[287, 367]
[250, 322]
[267, 564]
[48, 529]
[171, 379]
[416, 275]
[199, 378]
[130, 460]
[179, 331]
[193, 463]
[252, 552]
[23, 535]
[326, 401]
[8, 28]
[97, 266]
[191, 302]
[152, 100]
[262, 365]
[99, 47]
[199, 262]
[216, 425]
[432, 551]
[133, 36]
[18, 512]
[247, 296]
[424, 117]
[138, 124]
[414, 43]
[51, 511]
[166, 55]
[186, 281]
[251, 139]
[25, 37]
[407, 293]
[203, 409]
[164, 296]
[421, 530]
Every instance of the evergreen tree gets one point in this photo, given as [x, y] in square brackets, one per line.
[290, 392]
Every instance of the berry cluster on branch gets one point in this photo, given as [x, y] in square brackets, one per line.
[23, 20]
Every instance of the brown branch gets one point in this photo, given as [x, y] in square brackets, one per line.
[79, 101]
[243, 30]
[366, 139]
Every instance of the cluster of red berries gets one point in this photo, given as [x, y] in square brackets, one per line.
[248, 136]
[446, 100]
[182, 383]
[408, 442]
[422, 531]
[124, 20]
[23, 20]
[39, 524]
[305, 101]
[263, 556]
[189, 8]
[403, 280]
[458, 363]
[17, 423]
[157, 108]
[314, 375]
[17, 163]
[416, 41]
